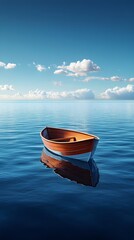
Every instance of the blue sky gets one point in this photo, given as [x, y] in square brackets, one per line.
[74, 49]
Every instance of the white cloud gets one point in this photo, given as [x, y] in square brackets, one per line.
[16, 96]
[60, 71]
[39, 67]
[2, 64]
[113, 78]
[78, 69]
[83, 94]
[119, 93]
[36, 94]
[77, 74]
[8, 65]
[40, 95]
[6, 87]
[77, 94]
[131, 80]
[90, 78]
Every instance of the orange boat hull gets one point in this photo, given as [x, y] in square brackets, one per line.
[68, 142]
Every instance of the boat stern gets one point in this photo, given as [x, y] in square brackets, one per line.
[96, 140]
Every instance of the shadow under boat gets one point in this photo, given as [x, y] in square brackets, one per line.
[86, 173]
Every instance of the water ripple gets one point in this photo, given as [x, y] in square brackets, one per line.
[33, 197]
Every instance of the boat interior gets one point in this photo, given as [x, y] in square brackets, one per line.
[61, 135]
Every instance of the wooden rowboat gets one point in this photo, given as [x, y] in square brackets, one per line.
[69, 143]
[86, 173]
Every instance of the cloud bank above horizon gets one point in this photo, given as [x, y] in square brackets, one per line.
[116, 93]
[78, 69]
[124, 93]
[79, 94]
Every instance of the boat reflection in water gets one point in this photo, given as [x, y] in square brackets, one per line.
[82, 172]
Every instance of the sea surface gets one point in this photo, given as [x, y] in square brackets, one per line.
[38, 203]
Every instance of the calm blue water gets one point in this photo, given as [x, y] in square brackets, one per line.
[37, 203]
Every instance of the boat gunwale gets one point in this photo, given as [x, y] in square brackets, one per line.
[69, 130]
